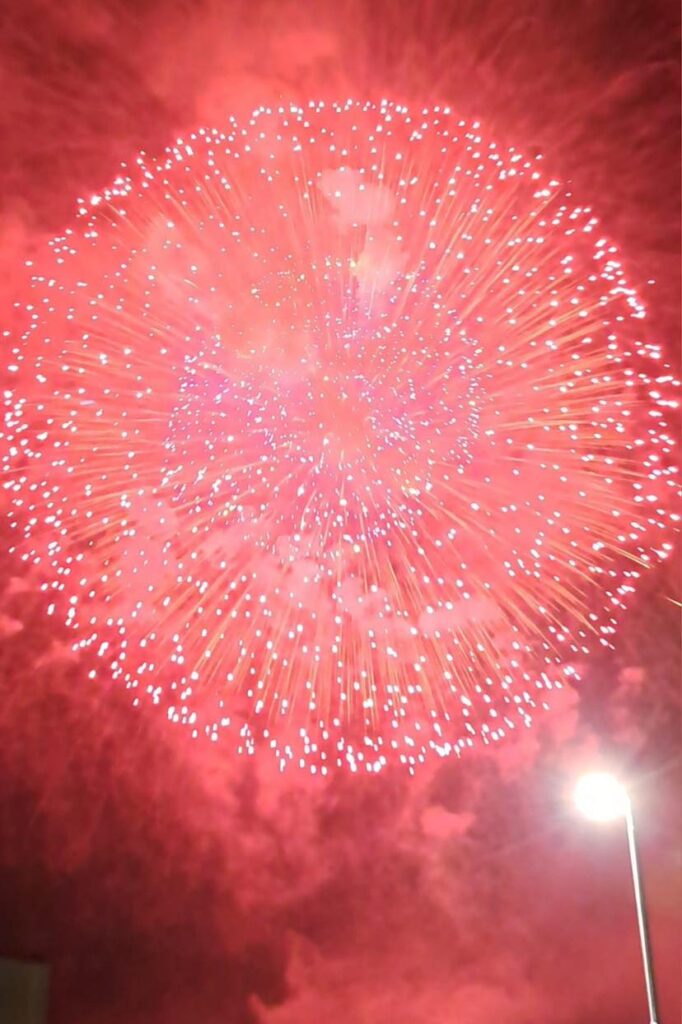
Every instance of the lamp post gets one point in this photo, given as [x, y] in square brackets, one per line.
[601, 797]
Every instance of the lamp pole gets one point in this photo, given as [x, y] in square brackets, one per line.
[601, 797]
[641, 915]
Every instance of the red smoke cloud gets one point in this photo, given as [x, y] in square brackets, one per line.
[166, 883]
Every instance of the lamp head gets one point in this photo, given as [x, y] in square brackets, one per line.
[601, 797]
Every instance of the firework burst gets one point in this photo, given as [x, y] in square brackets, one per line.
[337, 428]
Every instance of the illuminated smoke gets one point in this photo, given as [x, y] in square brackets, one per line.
[338, 428]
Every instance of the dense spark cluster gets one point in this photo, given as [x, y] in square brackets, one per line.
[337, 428]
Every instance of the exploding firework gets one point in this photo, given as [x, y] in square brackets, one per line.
[337, 428]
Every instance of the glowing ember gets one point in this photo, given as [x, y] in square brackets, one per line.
[337, 429]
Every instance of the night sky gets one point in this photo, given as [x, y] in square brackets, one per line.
[167, 882]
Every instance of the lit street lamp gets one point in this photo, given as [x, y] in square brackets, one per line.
[601, 797]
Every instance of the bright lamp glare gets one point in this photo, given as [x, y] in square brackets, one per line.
[601, 797]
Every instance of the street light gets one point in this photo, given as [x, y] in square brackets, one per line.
[601, 797]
